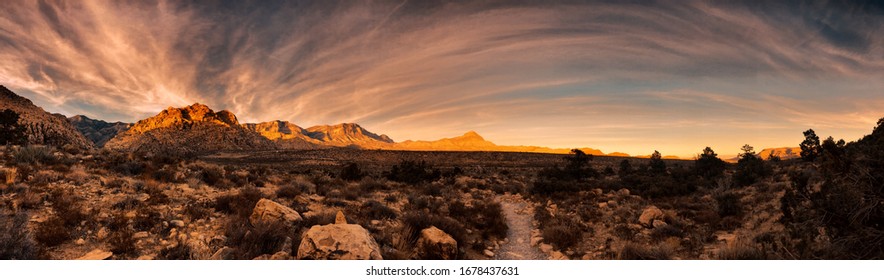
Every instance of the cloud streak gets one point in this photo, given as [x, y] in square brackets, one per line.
[574, 74]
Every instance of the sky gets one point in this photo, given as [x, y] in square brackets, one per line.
[620, 76]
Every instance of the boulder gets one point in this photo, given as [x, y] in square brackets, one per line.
[649, 215]
[338, 242]
[436, 244]
[267, 211]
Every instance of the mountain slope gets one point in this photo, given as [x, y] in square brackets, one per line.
[472, 141]
[42, 127]
[347, 134]
[287, 135]
[191, 130]
[98, 131]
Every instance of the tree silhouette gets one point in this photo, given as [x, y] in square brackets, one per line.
[750, 167]
[657, 165]
[708, 164]
[810, 147]
[11, 132]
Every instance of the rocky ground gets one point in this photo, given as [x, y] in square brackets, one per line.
[110, 206]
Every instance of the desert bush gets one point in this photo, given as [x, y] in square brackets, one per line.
[210, 174]
[44, 177]
[375, 210]
[562, 232]
[741, 251]
[633, 251]
[122, 242]
[242, 203]
[287, 191]
[147, 219]
[250, 241]
[351, 172]
[129, 167]
[34, 155]
[155, 191]
[729, 204]
[181, 251]
[9, 174]
[197, 211]
[624, 232]
[52, 232]
[128, 203]
[67, 207]
[415, 221]
[371, 184]
[413, 173]
[666, 231]
[16, 242]
[391, 198]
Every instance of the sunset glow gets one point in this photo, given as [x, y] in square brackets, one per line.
[629, 78]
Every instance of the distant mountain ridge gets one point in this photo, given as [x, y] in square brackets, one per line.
[41, 127]
[98, 131]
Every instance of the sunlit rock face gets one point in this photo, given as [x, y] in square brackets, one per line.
[191, 130]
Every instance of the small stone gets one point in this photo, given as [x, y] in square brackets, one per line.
[546, 248]
[556, 255]
[535, 240]
[145, 258]
[649, 215]
[101, 234]
[603, 205]
[488, 253]
[80, 241]
[176, 223]
[659, 224]
[140, 235]
[340, 219]
[612, 203]
[375, 223]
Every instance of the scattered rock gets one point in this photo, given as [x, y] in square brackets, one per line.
[546, 248]
[612, 203]
[80, 241]
[649, 215]
[488, 253]
[140, 235]
[556, 255]
[623, 192]
[101, 234]
[268, 211]
[177, 223]
[436, 244]
[96, 254]
[603, 205]
[339, 242]
[659, 224]
[281, 255]
[340, 219]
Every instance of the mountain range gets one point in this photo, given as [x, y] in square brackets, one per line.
[41, 127]
[197, 129]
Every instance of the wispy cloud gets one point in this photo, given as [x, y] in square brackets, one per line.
[575, 74]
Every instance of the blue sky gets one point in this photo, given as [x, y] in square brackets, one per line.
[624, 76]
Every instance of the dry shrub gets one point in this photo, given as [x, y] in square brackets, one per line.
[16, 242]
[197, 211]
[742, 251]
[67, 207]
[633, 251]
[287, 191]
[122, 242]
[242, 203]
[52, 232]
[250, 241]
[375, 210]
[416, 221]
[181, 251]
[562, 232]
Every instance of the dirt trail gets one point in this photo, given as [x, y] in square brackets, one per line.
[519, 217]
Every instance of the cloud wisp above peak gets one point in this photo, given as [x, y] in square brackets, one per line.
[576, 73]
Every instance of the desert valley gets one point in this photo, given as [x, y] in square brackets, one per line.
[195, 183]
